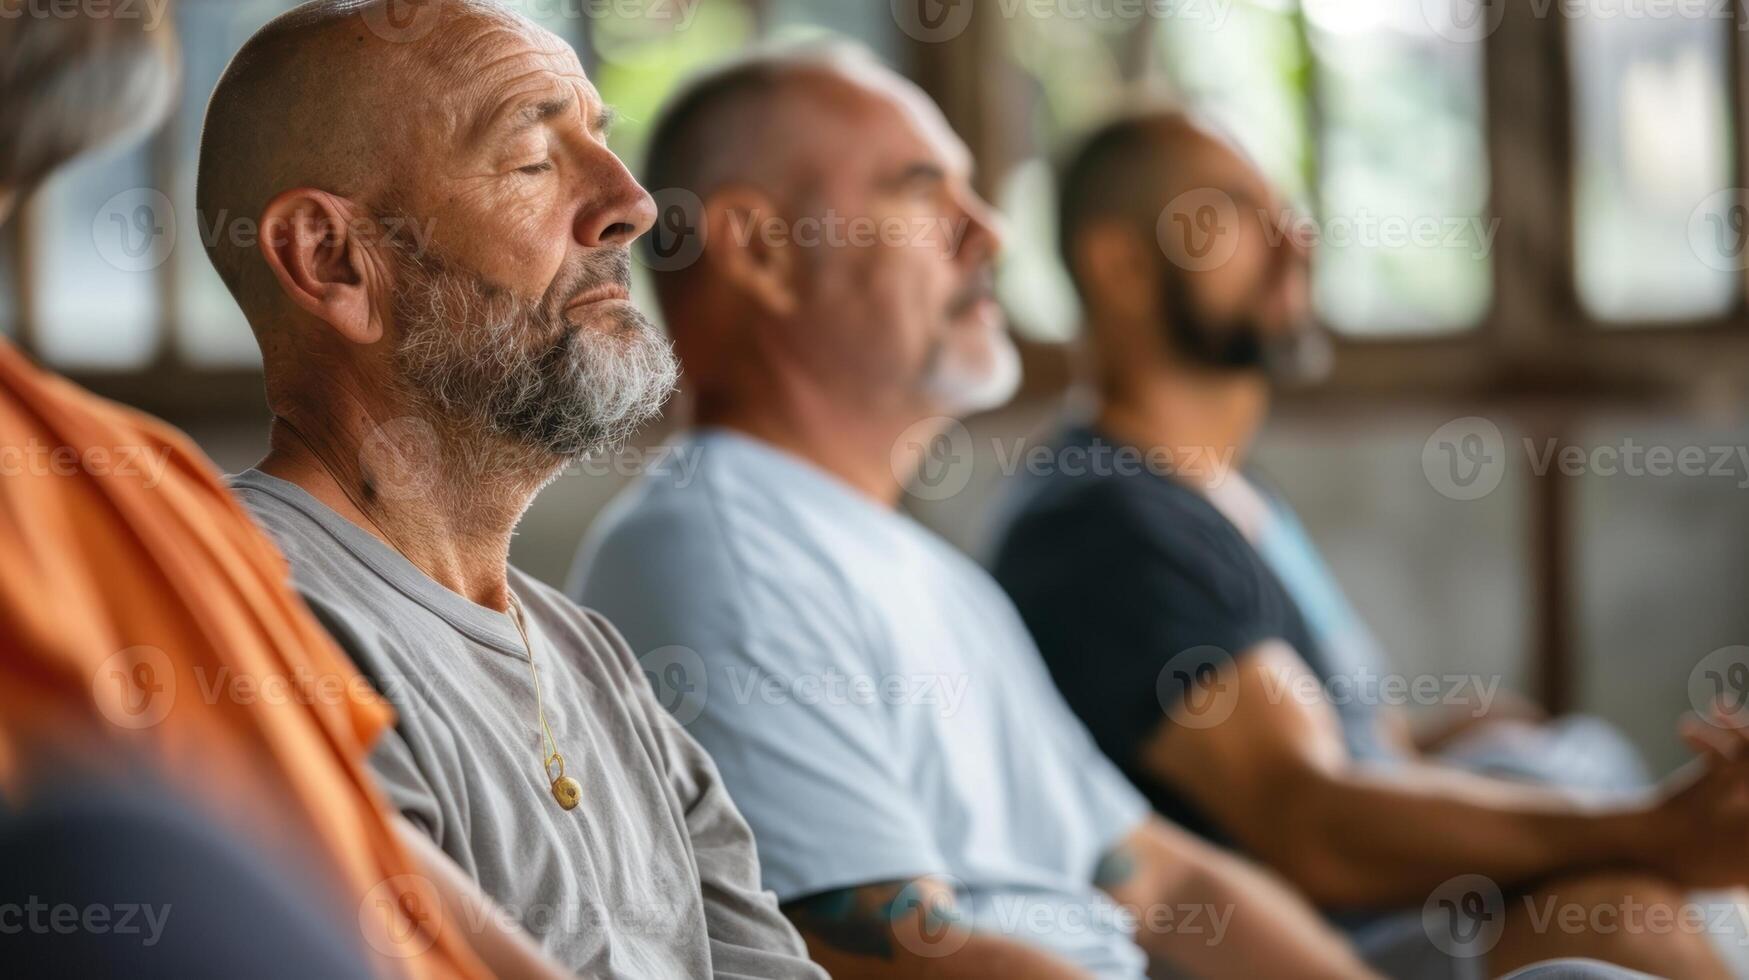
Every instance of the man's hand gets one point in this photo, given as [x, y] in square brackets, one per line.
[1702, 820]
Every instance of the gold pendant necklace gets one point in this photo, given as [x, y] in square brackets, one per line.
[567, 792]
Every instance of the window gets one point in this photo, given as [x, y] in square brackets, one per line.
[1361, 111]
[1403, 171]
[105, 233]
[210, 329]
[1659, 233]
[119, 279]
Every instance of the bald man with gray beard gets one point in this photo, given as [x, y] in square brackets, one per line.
[438, 279]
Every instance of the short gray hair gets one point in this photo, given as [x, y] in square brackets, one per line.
[75, 83]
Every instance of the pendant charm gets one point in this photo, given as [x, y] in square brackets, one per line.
[568, 792]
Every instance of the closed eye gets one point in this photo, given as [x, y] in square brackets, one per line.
[536, 168]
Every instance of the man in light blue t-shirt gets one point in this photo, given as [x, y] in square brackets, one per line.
[923, 802]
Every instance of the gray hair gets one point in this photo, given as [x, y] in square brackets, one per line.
[76, 83]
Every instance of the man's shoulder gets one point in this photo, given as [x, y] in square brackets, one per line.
[715, 529]
[1133, 508]
[300, 536]
[710, 563]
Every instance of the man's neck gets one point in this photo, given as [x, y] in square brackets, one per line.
[856, 447]
[1205, 419]
[448, 508]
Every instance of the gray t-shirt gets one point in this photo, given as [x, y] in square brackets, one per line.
[870, 695]
[653, 875]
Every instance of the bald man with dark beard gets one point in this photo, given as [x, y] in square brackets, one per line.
[1187, 619]
[428, 234]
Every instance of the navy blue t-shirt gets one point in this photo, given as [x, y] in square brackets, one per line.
[1139, 593]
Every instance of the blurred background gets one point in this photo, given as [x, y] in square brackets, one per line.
[1532, 219]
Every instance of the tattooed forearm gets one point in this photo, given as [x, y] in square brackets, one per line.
[861, 920]
[1115, 868]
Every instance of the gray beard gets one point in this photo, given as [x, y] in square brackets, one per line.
[510, 378]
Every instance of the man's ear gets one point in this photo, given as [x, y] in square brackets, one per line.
[311, 242]
[1118, 274]
[750, 243]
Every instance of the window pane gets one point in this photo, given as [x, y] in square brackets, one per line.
[102, 232]
[1245, 71]
[870, 23]
[1404, 238]
[210, 328]
[639, 60]
[1072, 75]
[1658, 234]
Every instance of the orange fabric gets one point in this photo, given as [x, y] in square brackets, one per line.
[144, 618]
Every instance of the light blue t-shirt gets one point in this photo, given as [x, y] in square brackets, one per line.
[871, 697]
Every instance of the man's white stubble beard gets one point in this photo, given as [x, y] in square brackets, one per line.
[466, 356]
[960, 388]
